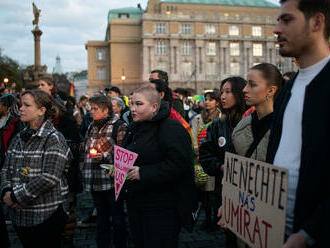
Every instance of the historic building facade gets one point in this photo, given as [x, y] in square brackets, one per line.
[198, 42]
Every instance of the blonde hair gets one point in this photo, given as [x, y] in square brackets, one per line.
[150, 93]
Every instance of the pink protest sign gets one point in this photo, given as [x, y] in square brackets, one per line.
[124, 160]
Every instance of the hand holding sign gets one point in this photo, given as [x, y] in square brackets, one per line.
[295, 240]
[124, 160]
[134, 173]
[221, 222]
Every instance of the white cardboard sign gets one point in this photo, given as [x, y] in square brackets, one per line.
[254, 198]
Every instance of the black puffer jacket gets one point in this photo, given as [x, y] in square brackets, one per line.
[164, 157]
[212, 150]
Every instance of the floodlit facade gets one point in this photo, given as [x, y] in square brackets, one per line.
[198, 42]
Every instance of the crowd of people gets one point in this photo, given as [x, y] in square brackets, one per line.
[53, 148]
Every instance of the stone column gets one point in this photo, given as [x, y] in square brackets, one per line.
[37, 61]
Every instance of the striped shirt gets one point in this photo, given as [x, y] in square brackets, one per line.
[35, 172]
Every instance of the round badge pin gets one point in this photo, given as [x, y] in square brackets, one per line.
[222, 141]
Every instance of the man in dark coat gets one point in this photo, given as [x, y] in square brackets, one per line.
[300, 135]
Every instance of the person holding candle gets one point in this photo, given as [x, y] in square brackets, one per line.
[161, 183]
[98, 149]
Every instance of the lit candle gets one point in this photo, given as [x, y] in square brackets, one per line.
[92, 152]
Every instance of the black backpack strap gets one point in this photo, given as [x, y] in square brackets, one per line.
[260, 133]
[255, 143]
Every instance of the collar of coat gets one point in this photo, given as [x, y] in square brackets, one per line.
[46, 128]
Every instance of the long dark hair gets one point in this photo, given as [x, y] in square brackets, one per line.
[234, 115]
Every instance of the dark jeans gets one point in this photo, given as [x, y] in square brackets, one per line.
[47, 234]
[107, 207]
[4, 239]
[154, 226]
[210, 201]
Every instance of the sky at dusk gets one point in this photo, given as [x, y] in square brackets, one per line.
[66, 25]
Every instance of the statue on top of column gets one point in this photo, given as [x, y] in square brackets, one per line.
[36, 13]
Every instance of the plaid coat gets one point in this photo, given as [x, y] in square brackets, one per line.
[34, 171]
[100, 138]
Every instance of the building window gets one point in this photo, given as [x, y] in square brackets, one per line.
[186, 69]
[186, 48]
[233, 30]
[100, 54]
[256, 31]
[210, 29]
[277, 49]
[170, 9]
[234, 68]
[161, 48]
[161, 28]
[123, 15]
[257, 50]
[186, 28]
[101, 73]
[211, 49]
[234, 49]
[211, 68]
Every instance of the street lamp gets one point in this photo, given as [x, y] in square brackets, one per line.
[123, 78]
[5, 81]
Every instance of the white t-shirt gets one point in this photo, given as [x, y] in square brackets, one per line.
[289, 151]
